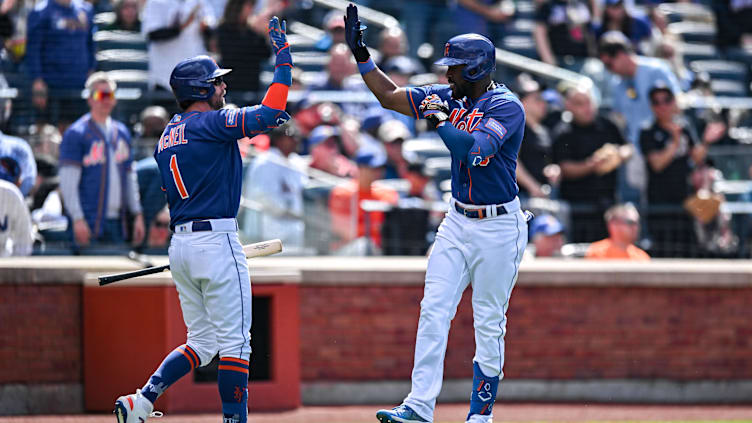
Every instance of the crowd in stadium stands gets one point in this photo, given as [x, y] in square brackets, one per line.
[637, 165]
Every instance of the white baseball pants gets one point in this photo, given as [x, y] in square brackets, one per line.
[485, 253]
[211, 276]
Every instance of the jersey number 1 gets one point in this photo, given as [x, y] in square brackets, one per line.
[177, 178]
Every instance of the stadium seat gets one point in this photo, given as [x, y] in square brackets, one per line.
[524, 10]
[739, 54]
[441, 167]
[104, 18]
[130, 78]
[725, 87]
[722, 69]
[108, 40]
[678, 12]
[694, 32]
[116, 59]
[520, 44]
[425, 148]
[520, 27]
[304, 60]
[694, 51]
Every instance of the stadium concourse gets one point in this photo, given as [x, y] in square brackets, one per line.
[457, 412]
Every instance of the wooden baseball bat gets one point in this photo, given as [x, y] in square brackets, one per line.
[258, 249]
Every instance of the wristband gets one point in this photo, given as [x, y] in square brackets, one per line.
[283, 75]
[367, 66]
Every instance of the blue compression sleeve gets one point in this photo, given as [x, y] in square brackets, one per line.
[458, 142]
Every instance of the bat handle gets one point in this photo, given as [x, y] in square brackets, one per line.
[108, 279]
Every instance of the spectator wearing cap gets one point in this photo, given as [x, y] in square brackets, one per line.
[349, 219]
[16, 234]
[546, 236]
[97, 180]
[338, 68]
[240, 36]
[339, 77]
[535, 151]
[400, 69]
[672, 150]
[623, 223]
[20, 151]
[616, 17]
[60, 55]
[589, 150]
[393, 134]
[636, 75]
[325, 147]
[275, 180]
[392, 43]
[335, 31]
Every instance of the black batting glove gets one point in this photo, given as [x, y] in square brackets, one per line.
[354, 34]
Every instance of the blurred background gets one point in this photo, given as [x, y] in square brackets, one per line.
[652, 98]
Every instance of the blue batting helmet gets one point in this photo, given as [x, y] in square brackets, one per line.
[193, 79]
[473, 50]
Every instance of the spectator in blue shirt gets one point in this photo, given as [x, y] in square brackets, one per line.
[60, 53]
[630, 100]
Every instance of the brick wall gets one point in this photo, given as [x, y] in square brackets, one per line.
[40, 333]
[359, 324]
[554, 332]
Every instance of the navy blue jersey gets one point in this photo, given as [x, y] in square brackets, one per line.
[199, 161]
[497, 122]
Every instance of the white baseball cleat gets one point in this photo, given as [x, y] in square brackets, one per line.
[399, 414]
[134, 408]
[475, 418]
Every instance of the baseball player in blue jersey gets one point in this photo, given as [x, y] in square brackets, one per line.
[201, 173]
[484, 233]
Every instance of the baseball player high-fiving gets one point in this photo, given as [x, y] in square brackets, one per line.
[201, 172]
[484, 233]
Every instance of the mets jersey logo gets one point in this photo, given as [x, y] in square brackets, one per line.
[480, 161]
[465, 123]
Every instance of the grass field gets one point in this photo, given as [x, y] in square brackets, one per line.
[456, 413]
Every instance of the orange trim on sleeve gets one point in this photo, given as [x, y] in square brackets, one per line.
[412, 102]
[242, 122]
[276, 96]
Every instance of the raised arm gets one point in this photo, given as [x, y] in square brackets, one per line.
[386, 91]
[276, 95]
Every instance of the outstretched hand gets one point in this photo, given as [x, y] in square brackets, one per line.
[354, 34]
[278, 39]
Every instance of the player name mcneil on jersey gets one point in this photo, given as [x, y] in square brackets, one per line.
[176, 136]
